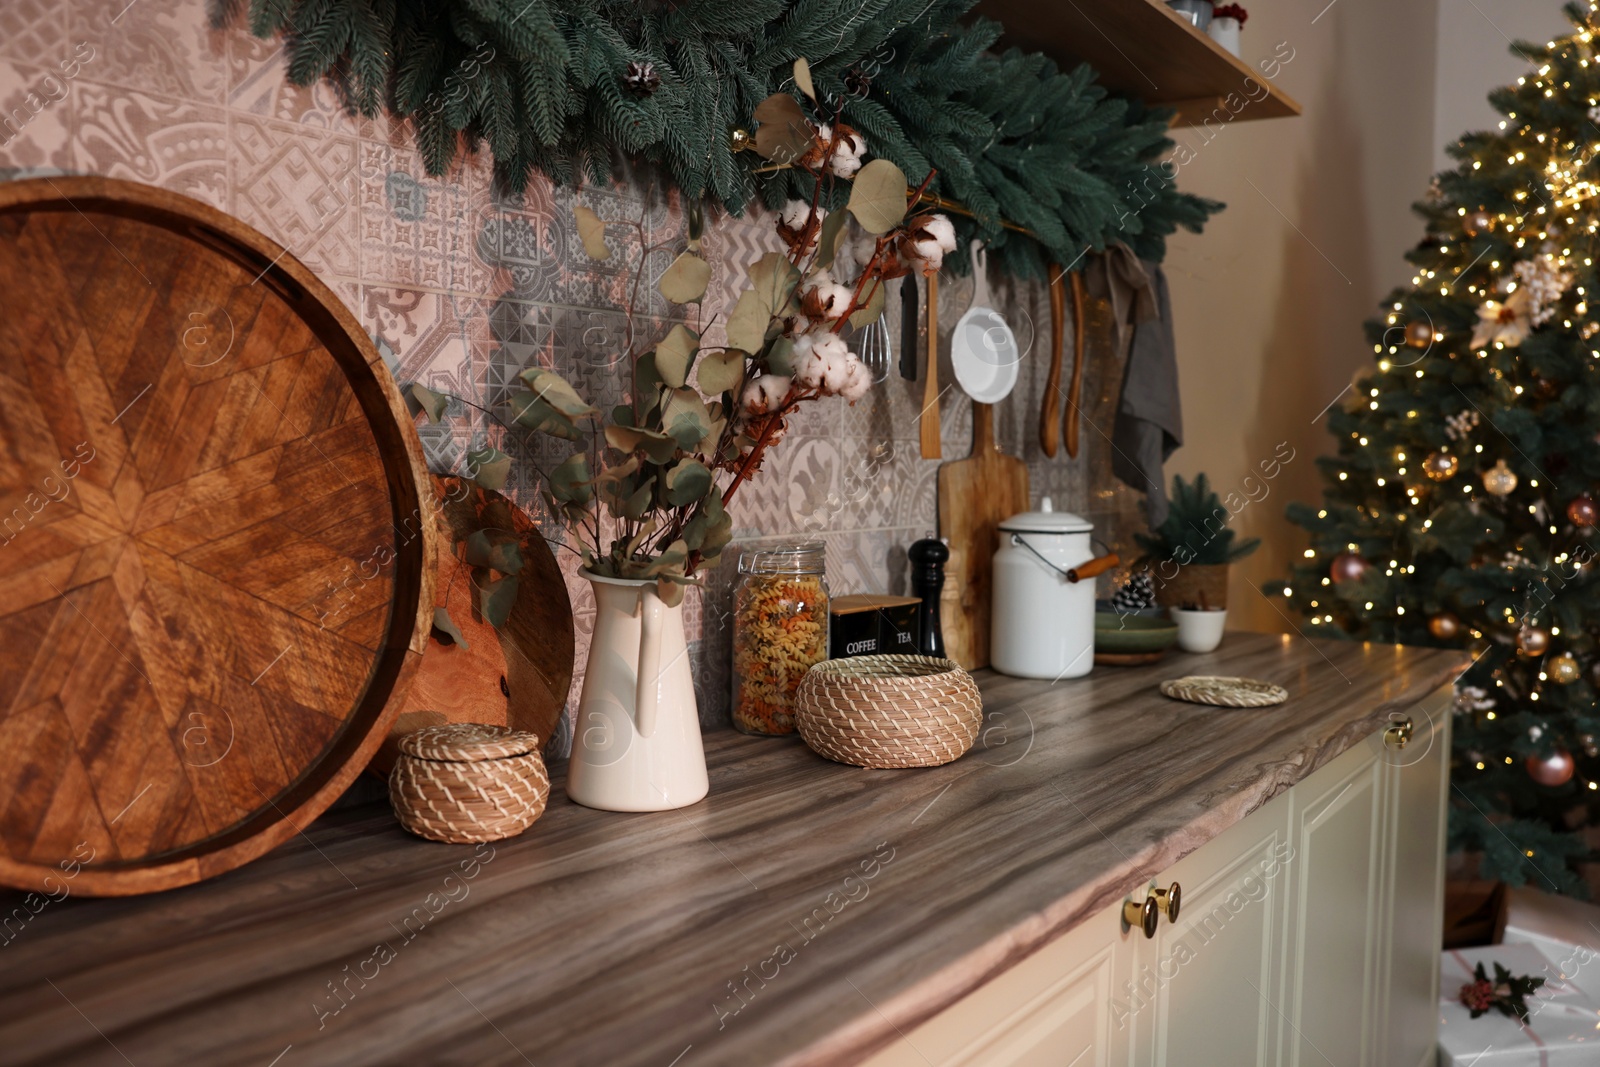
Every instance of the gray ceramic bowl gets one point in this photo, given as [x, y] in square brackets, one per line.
[1124, 634]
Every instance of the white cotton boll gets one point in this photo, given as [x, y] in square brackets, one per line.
[836, 373]
[829, 346]
[847, 152]
[764, 394]
[833, 300]
[796, 212]
[942, 230]
[857, 382]
[808, 365]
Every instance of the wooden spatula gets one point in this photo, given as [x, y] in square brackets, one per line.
[1050, 415]
[929, 427]
[1075, 394]
[975, 495]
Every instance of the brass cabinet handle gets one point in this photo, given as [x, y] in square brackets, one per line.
[1399, 734]
[1168, 900]
[1142, 915]
[1146, 914]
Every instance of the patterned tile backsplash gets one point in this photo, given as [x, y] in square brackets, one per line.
[461, 286]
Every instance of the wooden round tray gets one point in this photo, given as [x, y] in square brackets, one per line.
[216, 548]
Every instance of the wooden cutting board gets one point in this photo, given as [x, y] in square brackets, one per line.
[976, 494]
[517, 675]
[218, 559]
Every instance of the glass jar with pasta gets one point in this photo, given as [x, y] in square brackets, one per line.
[780, 629]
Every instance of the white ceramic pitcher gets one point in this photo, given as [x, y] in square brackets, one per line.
[636, 744]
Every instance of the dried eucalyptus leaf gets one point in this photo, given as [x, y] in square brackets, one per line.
[528, 410]
[721, 372]
[616, 484]
[445, 627]
[489, 468]
[802, 78]
[685, 418]
[658, 447]
[688, 481]
[571, 481]
[870, 311]
[639, 503]
[780, 357]
[685, 281]
[878, 196]
[748, 323]
[592, 231]
[784, 134]
[556, 391]
[675, 354]
[773, 279]
[496, 599]
[829, 239]
[671, 561]
[432, 404]
[670, 592]
[644, 533]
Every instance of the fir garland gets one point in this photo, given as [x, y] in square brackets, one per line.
[563, 87]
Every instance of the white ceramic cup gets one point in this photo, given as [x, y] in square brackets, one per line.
[1199, 631]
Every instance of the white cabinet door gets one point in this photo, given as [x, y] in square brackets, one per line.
[1417, 789]
[1205, 990]
[1048, 1011]
[1335, 884]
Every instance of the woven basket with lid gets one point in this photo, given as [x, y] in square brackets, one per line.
[889, 711]
[464, 782]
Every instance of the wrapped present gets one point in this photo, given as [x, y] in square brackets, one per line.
[1559, 1030]
[1567, 931]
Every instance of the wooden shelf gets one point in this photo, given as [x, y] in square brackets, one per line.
[1143, 48]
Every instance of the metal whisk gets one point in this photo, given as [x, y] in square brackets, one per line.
[873, 348]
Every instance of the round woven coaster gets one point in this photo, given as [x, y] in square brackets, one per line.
[1224, 692]
[468, 742]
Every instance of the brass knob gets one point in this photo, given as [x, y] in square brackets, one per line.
[1167, 900]
[1142, 915]
[1398, 735]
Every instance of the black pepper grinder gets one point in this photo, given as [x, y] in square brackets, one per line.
[928, 558]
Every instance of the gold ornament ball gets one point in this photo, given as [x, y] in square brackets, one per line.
[1533, 641]
[1500, 479]
[1348, 567]
[1444, 626]
[1419, 334]
[1552, 770]
[739, 140]
[1441, 466]
[1564, 669]
[1583, 511]
[1477, 223]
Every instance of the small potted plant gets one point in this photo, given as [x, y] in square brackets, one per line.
[1226, 22]
[1188, 557]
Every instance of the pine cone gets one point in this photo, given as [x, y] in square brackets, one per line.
[1137, 594]
[641, 78]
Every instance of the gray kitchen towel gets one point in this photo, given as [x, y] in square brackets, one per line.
[1149, 424]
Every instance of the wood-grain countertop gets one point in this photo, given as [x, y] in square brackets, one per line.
[802, 914]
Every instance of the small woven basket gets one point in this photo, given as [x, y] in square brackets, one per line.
[464, 782]
[889, 711]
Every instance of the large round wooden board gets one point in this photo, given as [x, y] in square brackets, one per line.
[216, 540]
[517, 675]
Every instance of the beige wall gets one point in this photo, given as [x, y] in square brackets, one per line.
[1269, 301]
[1474, 39]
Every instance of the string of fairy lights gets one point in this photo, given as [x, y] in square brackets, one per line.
[1514, 300]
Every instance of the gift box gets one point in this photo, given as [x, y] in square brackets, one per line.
[1561, 1027]
[1567, 931]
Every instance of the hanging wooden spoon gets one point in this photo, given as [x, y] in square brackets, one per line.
[1075, 393]
[930, 389]
[1050, 415]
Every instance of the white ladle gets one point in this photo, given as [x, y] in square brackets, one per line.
[983, 351]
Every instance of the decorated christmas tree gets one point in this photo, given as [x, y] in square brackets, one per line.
[1460, 509]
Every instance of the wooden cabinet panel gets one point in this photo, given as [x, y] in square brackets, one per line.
[1205, 988]
[1048, 1011]
[1418, 789]
[1335, 886]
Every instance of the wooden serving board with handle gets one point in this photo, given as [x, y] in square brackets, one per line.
[218, 575]
[516, 675]
[976, 494]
